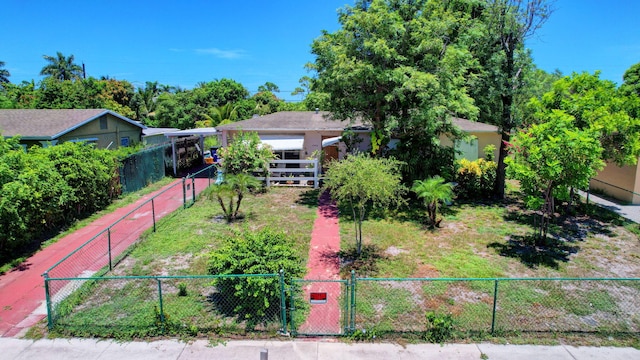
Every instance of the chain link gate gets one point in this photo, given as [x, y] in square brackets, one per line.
[327, 311]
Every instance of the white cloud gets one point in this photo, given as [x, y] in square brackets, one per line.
[223, 54]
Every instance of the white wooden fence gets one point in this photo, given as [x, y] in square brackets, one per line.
[305, 174]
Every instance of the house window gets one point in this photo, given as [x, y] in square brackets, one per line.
[124, 141]
[103, 123]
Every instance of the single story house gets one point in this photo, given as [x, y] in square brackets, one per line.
[297, 134]
[619, 182]
[44, 127]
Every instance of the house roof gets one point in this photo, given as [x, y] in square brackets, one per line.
[310, 120]
[207, 131]
[157, 131]
[290, 121]
[474, 126]
[49, 124]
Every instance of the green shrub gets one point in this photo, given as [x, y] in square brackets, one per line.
[255, 299]
[439, 327]
[45, 189]
[475, 179]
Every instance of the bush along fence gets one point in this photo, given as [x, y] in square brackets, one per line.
[106, 249]
[433, 309]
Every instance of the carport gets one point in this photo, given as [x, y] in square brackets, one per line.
[200, 132]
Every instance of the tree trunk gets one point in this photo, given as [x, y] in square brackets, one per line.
[501, 171]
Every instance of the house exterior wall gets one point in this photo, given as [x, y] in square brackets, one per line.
[620, 182]
[114, 133]
[482, 140]
[312, 140]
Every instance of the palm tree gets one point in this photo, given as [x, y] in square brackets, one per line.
[432, 191]
[61, 67]
[230, 193]
[225, 114]
[4, 74]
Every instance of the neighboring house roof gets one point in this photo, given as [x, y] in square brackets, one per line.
[291, 121]
[49, 124]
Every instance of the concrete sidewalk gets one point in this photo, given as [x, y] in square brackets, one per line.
[12, 348]
[630, 212]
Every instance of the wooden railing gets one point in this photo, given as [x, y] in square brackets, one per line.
[306, 173]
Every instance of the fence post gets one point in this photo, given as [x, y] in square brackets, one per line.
[495, 302]
[160, 303]
[283, 303]
[153, 214]
[109, 246]
[193, 190]
[352, 324]
[184, 194]
[316, 181]
[48, 300]
[293, 310]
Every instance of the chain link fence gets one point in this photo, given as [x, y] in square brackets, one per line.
[142, 168]
[409, 308]
[145, 306]
[483, 306]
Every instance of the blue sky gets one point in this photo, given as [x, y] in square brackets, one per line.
[185, 42]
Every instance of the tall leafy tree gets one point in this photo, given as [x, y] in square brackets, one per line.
[631, 77]
[504, 63]
[598, 105]
[4, 74]
[61, 67]
[401, 67]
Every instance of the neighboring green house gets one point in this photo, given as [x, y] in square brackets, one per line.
[45, 127]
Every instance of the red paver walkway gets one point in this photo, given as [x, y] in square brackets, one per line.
[22, 293]
[324, 264]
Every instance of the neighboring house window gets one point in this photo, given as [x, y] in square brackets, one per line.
[103, 123]
[86, 140]
[124, 141]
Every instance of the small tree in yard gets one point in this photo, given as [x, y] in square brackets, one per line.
[230, 193]
[433, 191]
[551, 158]
[359, 181]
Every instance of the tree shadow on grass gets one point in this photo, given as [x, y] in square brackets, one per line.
[524, 248]
[576, 226]
[309, 198]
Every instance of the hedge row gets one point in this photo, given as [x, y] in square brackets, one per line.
[46, 189]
